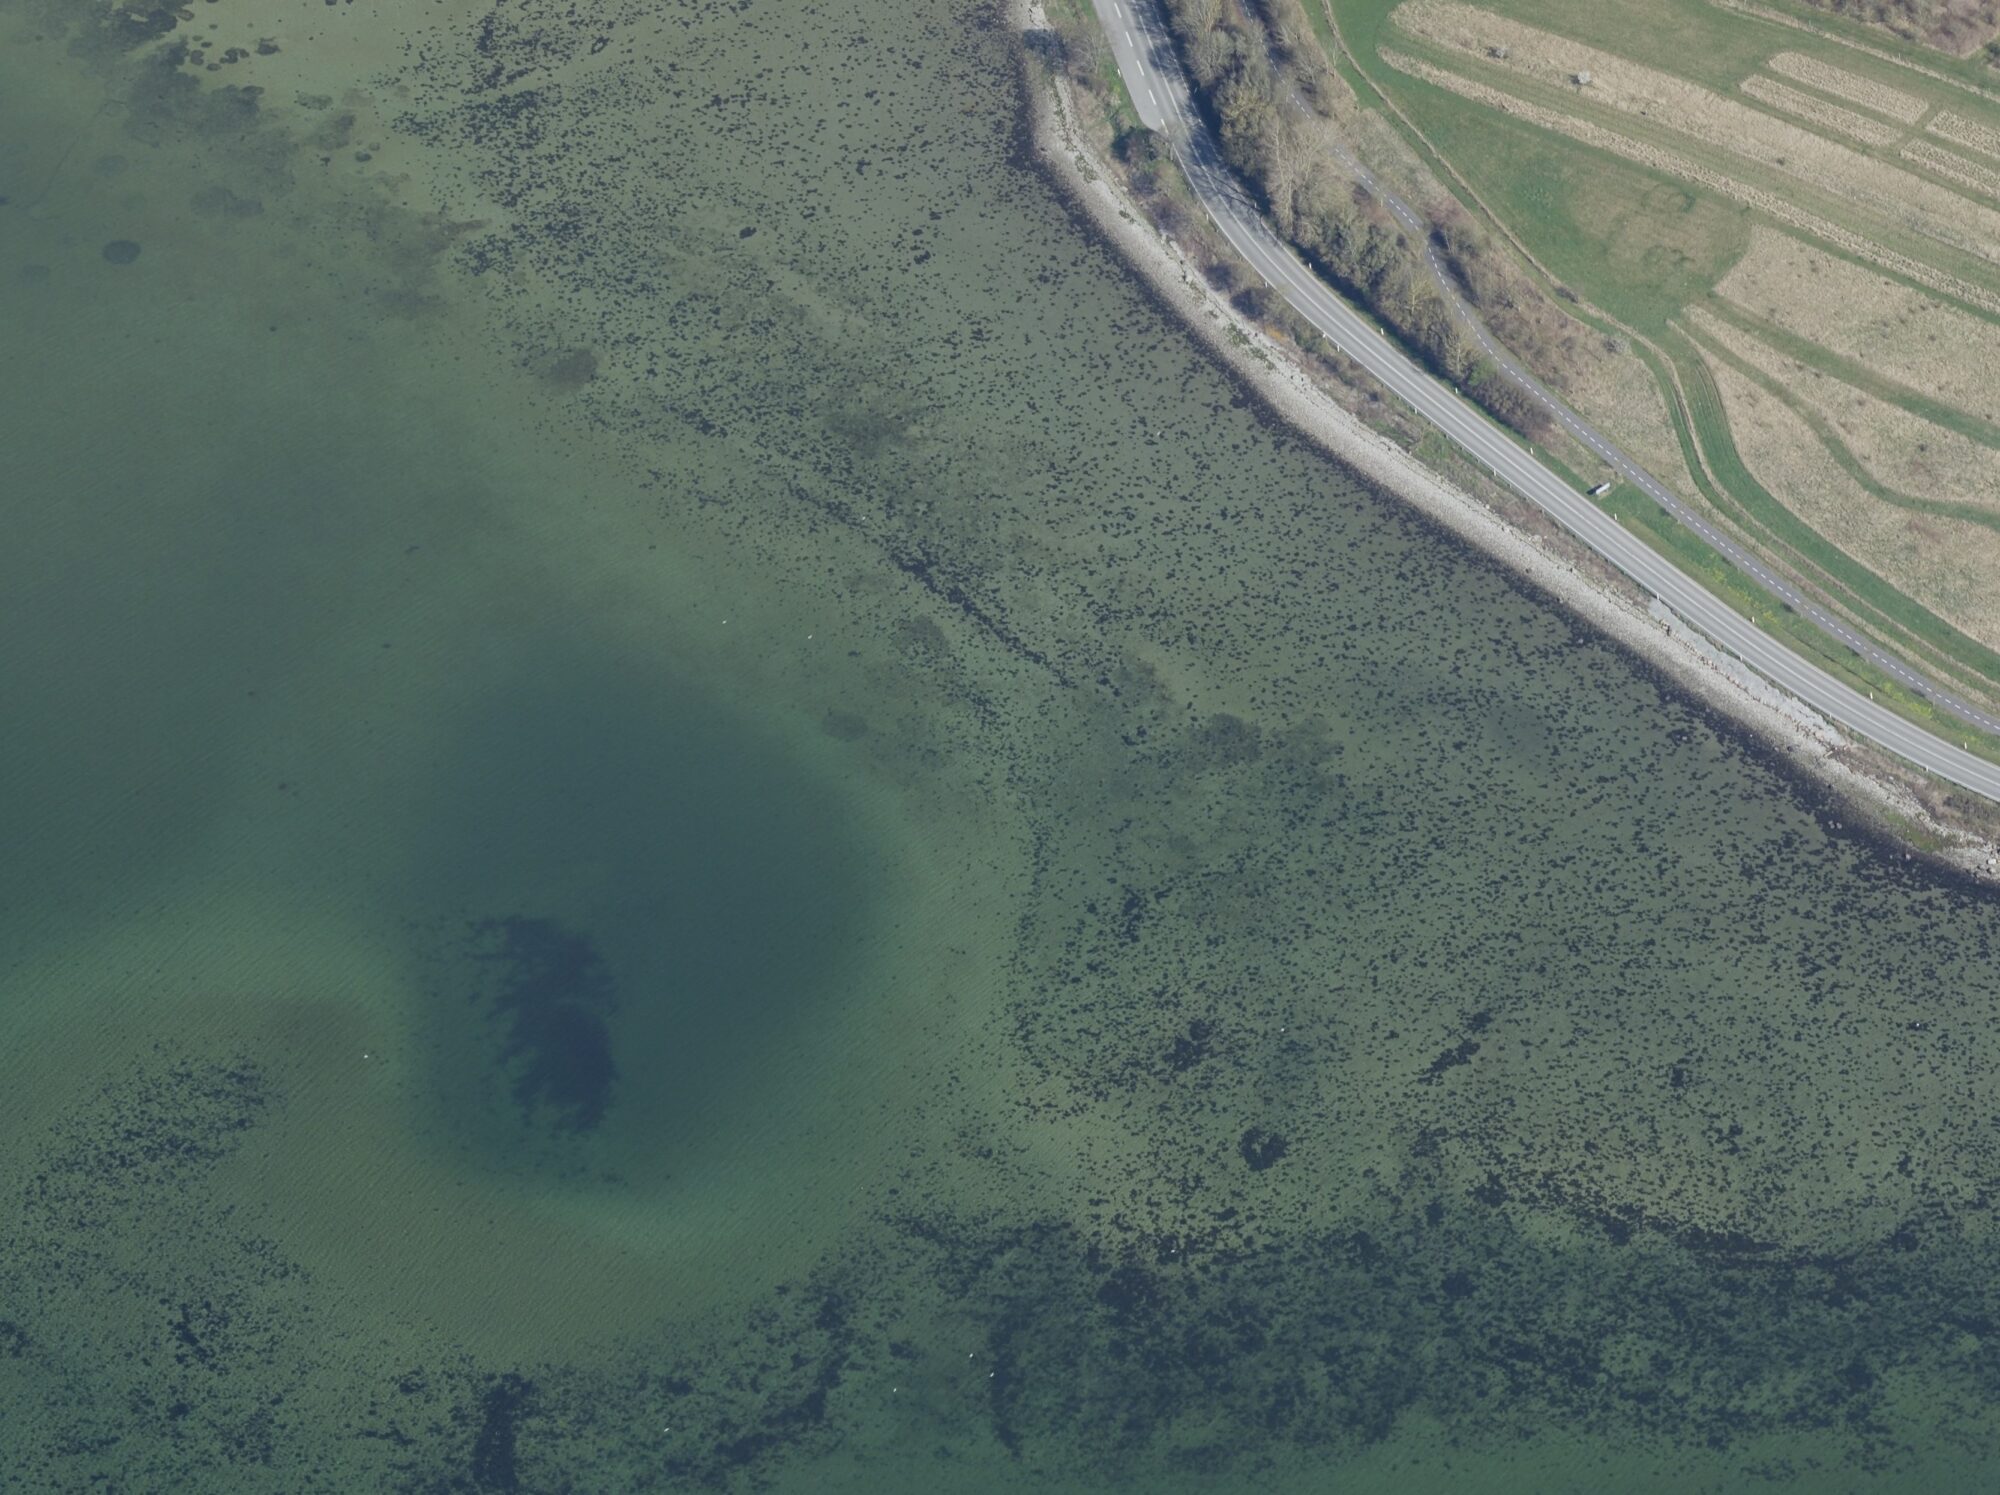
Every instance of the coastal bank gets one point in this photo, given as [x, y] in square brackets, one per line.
[1924, 815]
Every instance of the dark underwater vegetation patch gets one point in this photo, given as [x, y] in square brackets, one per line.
[551, 997]
[1106, 1352]
[1261, 1147]
[495, 1450]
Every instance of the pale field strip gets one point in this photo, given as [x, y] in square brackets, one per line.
[1689, 109]
[1819, 112]
[1903, 451]
[1962, 131]
[1945, 164]
[1950, 566]
[1896, 331]
[1881, 54]
[1906, 108]
[1644, 154]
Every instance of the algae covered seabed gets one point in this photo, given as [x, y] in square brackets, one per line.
[688, 805]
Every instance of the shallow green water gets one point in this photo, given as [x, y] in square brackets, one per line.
[686, 806]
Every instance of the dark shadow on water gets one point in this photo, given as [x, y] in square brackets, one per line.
[650, 892]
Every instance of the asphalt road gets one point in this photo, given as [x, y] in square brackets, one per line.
[1159, 89]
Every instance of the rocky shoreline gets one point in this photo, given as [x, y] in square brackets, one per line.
[1879, 793]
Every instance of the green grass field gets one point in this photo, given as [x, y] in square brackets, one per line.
[1634, 242]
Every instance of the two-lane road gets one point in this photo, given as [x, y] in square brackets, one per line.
[1159, 90]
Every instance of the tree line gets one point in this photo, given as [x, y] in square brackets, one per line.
[1955, 26]
[1245, 67]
